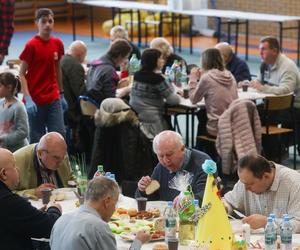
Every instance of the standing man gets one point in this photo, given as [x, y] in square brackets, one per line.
[41, 78]
[7, 8]
[73, 77]
[279, 75]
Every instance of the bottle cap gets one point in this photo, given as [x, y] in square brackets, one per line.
[170, 203]
[100, 168]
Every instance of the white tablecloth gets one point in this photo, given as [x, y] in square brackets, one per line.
[68, 205]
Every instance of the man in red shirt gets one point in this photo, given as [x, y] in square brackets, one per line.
[6, 26]
[41, 78]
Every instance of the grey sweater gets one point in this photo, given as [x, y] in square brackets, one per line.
[13, 126]
[148, 96]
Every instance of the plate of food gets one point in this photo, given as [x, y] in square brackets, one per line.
[132, 213]
[154, 236]
[127, 228]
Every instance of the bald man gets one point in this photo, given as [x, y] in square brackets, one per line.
[43, 165]
[19, 220]
[174, 157]
[73, 77]
[234, 64]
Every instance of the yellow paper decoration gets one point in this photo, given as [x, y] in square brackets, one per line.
[214, 228]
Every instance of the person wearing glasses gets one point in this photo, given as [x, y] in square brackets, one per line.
[43, 165]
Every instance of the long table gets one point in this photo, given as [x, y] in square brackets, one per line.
[68, 205]
[186, 107]
[237, 16]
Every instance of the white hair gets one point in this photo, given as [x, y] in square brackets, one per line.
[119, 31]
[101, 187]
[167, 135]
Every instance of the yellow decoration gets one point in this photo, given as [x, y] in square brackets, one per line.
[151, 28]
[214, 228]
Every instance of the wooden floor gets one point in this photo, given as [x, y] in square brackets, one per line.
[202, 42]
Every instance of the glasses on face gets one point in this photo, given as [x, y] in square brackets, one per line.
[55, 157]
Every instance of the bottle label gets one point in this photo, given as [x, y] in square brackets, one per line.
[170, 222]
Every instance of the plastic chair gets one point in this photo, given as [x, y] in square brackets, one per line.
[279, 103]
[88, 105]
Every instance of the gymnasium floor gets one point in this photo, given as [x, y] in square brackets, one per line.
[63, 29]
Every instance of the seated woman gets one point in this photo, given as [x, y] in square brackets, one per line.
[166, 49]
[150, 92]
[218, 87]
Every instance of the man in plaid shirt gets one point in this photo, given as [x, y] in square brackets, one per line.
[7, 8]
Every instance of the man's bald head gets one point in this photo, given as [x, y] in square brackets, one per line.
[52, 150]
[9, 174]
[226, 50]
[77, 49]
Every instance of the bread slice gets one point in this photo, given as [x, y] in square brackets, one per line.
[152, 187]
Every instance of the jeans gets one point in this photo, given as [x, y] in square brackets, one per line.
[48, 118]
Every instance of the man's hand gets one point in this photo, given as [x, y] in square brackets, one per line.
[256, 84]
[144, 182]
[142, 236]
[54, 204]
[255, 221]
[38, 190]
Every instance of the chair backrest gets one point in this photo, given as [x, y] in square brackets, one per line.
[279, 102]
[88, 106]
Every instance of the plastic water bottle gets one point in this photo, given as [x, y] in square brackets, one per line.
[270, 235]
[168, 74]
[176, 70]
[113, 177]
[99, 171]
[107, 174]
[134, 66]
[170, 222]
[286, 233]
[184, 77]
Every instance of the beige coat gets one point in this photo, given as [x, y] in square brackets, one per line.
[239, 133]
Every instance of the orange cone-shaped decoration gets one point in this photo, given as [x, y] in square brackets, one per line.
[214, 229]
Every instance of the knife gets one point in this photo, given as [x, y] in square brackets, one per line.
[239, 213]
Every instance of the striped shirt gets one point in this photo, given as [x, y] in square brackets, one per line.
[283, 197]
[6, 24]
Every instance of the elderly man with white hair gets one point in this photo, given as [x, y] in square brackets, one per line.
[118, 31]
[87, 228]
[174, 157]
[234, 64]
[43, 165]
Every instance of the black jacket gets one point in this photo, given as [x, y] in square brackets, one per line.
[121, 147]
[20, 221]
[239, 69]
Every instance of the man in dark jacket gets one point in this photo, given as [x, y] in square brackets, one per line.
[174, 157]
[234, 64]
[19, 220]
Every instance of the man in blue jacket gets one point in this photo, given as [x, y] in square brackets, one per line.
[234, 64]
[174, 157]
